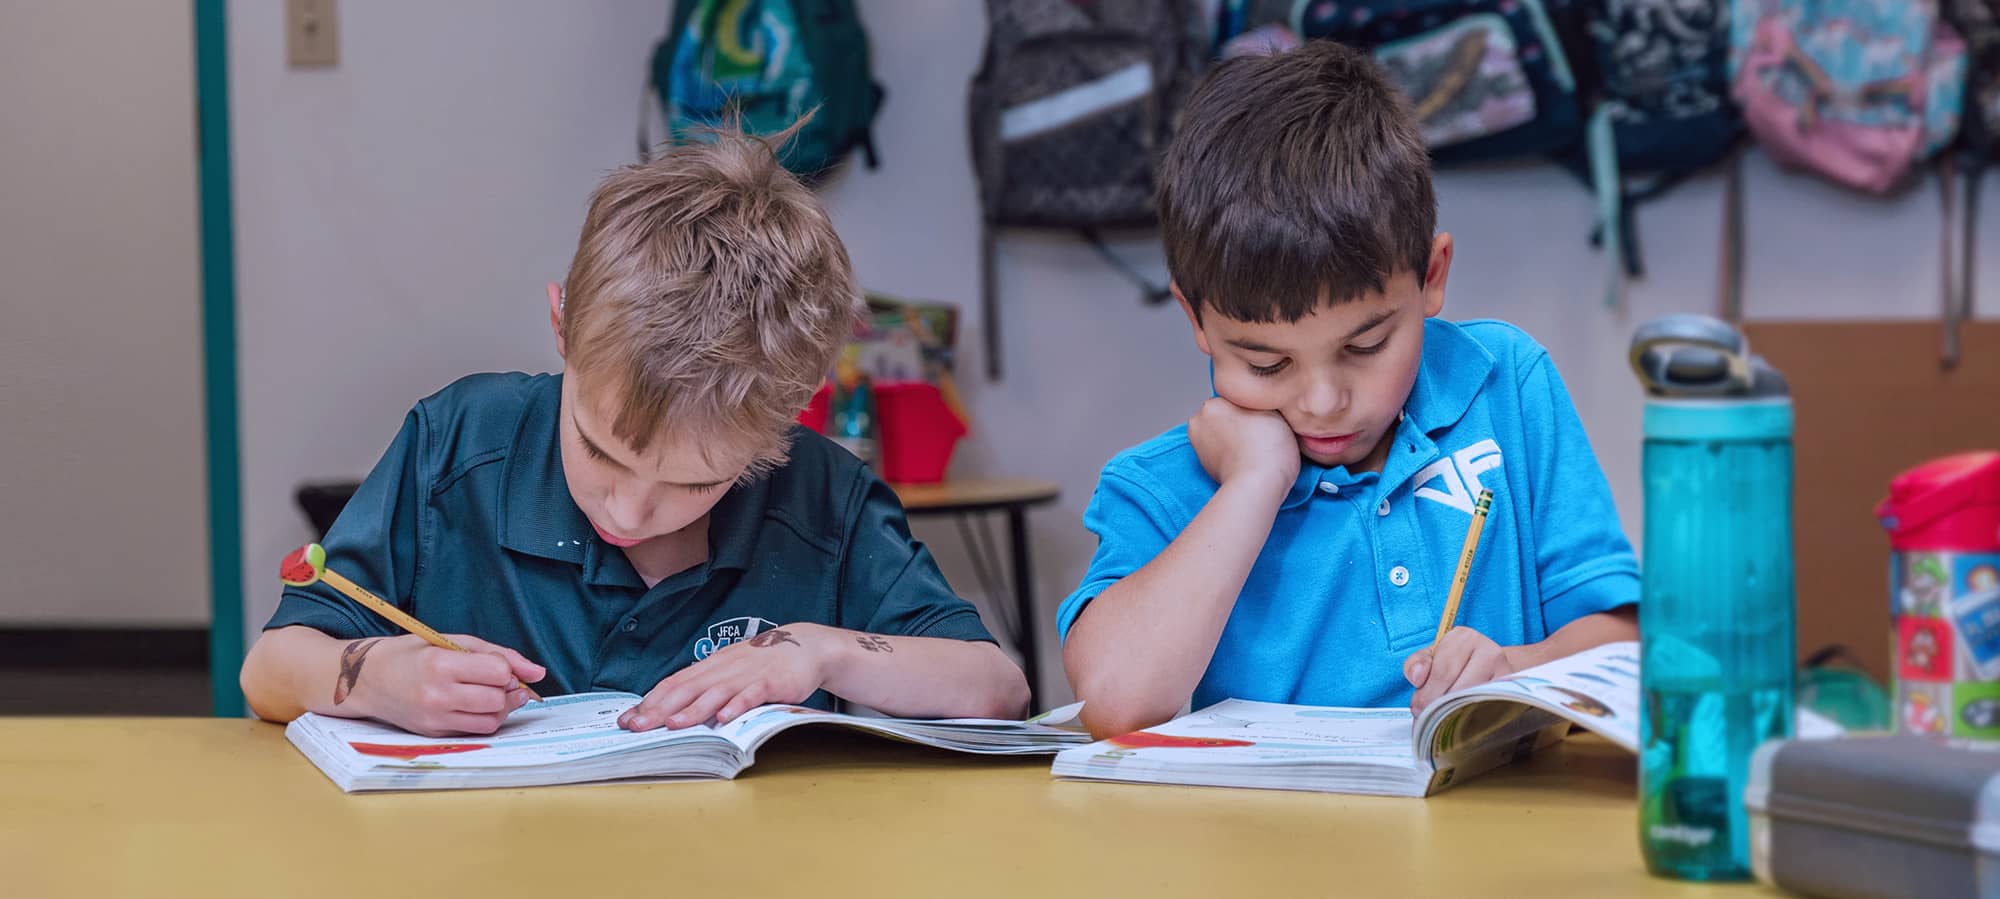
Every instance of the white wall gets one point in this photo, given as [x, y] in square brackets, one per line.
[100, 319]
[397, 216]
[426, 244]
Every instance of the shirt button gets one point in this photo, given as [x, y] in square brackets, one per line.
[631, 624]
[1399, 575]
[1329, 488]
[1383, 509]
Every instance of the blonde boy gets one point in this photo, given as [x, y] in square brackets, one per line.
[650, 519]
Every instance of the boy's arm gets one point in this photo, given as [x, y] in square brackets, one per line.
[1467, 658]
[908, 677]
[902, 642]
[1583, 561]
[1135, 654]
[1595, 629]
[1589, 579]
[291, 671]
[401, 680]
[322, 652]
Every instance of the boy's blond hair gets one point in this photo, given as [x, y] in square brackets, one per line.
[709, 294]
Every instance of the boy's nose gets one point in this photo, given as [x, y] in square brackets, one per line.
[1323, 398]
[627, 510]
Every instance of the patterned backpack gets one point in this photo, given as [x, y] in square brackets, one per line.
[1656, 76]
[1631, 95]
[1856, 90]
[1487, 79]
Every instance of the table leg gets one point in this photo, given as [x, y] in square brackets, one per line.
[1024, 598]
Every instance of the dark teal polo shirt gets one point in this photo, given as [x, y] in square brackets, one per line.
[467, 523]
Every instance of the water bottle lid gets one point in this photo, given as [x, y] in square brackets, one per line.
[1697, 355]
[1951, 503]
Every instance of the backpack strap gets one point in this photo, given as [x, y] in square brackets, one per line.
[1957, 299]
[1150, 292]
[865, 138]
[1729, 257]
[989, 289]
[1968, 246]
[652, 122]
[1610, 189]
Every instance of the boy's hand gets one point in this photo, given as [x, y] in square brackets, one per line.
[783, 664]
[433, 691]
[1464, 658]
[1233, 443]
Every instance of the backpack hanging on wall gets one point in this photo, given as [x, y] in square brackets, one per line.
[767, 63]
[1858, 91]
[1656, 77]
[1070, 111]
[1487, 79]
[1631, 95]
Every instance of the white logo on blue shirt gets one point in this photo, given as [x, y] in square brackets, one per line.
[1460, 472]
[723, 633]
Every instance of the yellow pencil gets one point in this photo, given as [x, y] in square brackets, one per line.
[308, 563]
[1479, 508]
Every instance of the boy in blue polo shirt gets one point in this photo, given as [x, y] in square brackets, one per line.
[649, 520]
[1295, 540]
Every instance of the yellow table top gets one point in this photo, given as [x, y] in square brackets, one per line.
[220, 807]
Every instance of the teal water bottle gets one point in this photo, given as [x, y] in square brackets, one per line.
[1716, 616]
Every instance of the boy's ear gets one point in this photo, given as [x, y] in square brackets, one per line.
[1194, 321]
[555, 317]
[1436, 273]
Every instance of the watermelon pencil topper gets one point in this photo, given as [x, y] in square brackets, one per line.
[306, 566]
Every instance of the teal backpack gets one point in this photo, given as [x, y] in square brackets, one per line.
[766, 64]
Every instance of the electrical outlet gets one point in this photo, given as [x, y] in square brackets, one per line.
[312, 34]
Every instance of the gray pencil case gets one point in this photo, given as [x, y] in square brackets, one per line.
[1876, 816]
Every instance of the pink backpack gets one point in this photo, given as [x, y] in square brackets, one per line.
[1858, 92]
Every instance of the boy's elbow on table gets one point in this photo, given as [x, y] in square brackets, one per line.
[261, 689]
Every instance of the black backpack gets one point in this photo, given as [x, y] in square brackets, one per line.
[1658, 82]
[1070, 111]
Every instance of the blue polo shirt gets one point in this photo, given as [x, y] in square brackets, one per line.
[467, 523]
[1354, 575]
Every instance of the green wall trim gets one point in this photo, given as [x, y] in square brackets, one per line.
[218, 335]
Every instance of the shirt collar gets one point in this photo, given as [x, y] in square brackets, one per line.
[537, 514]
[1453, 369]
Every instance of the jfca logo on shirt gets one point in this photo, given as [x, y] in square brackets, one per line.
[1460, 475]
[723, 633]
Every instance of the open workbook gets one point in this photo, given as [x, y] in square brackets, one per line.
[576, 739]
[1238, 743]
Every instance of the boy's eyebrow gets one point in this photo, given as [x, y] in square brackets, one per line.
[1252, 346]
[1371, 323]
[580, 435]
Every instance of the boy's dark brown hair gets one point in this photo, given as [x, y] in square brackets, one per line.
[1295, 180]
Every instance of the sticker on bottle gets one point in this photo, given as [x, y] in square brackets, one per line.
[1978, 619]
[1924, 649]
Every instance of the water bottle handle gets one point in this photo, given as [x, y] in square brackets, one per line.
[1691, 355]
